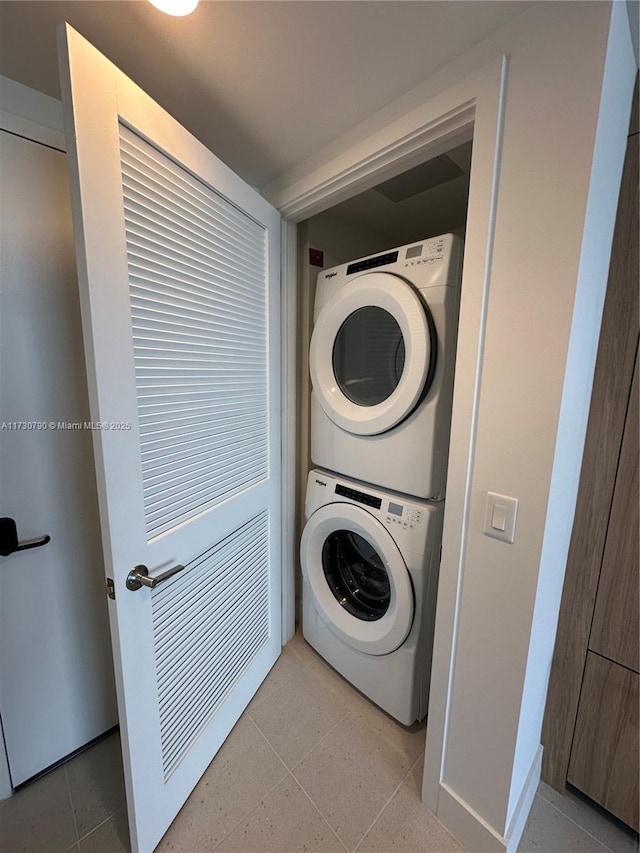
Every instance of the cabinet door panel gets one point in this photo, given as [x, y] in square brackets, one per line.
[615, 623]
[604, 756]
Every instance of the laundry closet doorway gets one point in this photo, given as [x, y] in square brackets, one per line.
[425, 201]
[469, 109]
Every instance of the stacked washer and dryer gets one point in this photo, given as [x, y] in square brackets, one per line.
[381, 359]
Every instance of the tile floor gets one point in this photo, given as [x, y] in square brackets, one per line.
[310, 766]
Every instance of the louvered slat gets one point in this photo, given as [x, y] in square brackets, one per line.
[197, 273]
[209, 622]
[188, 195]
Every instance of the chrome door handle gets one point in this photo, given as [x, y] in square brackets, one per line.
[139, 577]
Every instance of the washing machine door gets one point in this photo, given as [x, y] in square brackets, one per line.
[372, 354]
[357, 578]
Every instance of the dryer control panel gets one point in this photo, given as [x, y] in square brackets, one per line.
[434, 262]
[429, 252]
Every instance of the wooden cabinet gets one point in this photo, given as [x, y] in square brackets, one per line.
[604, 757]
[604, 754]
[615, 629]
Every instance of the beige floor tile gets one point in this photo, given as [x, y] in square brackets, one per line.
[298, 716]
[285, 668]
[408, 740]
[593, 820]
[350, 776]
[240, 776]
[407, 826]
[317, 669]
[299, 645]
[96, 784]
[110, 837]
[549, 831]
[284, 822]
[38, 819]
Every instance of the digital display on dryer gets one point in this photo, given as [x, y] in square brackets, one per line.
[395, 509]
[414, 252]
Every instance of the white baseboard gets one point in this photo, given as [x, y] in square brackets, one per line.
[473, 832]
[466, 825]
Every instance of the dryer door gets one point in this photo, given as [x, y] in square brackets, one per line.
[357, 578]
[372, 354]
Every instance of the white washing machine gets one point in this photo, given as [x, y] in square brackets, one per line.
[370, 562]
[382, 358]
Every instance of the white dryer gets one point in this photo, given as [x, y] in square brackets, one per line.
[382, 358]
[370, 562]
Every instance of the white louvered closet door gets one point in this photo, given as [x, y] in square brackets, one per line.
[179, 275]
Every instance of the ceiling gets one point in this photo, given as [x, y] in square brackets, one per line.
[424, 213]
[262, 84]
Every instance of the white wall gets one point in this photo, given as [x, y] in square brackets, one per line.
[600, 212]
[531, 422]
[36, 116]
[559, 165]
[57, 676]
[342, 241]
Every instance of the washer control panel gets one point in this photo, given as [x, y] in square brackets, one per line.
[407, 520]
[402, 516]
[360, 497]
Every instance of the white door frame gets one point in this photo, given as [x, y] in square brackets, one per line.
[472, 108]
[289, 425]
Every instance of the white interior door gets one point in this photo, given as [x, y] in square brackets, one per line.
[179, 277]
[56, 672]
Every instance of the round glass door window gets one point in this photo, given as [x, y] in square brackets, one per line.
[368, 356]
[356, 575]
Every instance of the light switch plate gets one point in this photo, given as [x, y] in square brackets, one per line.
[500, 517]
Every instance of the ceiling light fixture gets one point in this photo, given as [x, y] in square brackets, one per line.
[178, 8]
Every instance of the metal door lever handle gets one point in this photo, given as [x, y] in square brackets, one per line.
[139, 577]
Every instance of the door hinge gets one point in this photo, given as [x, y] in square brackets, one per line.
[111, 588]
